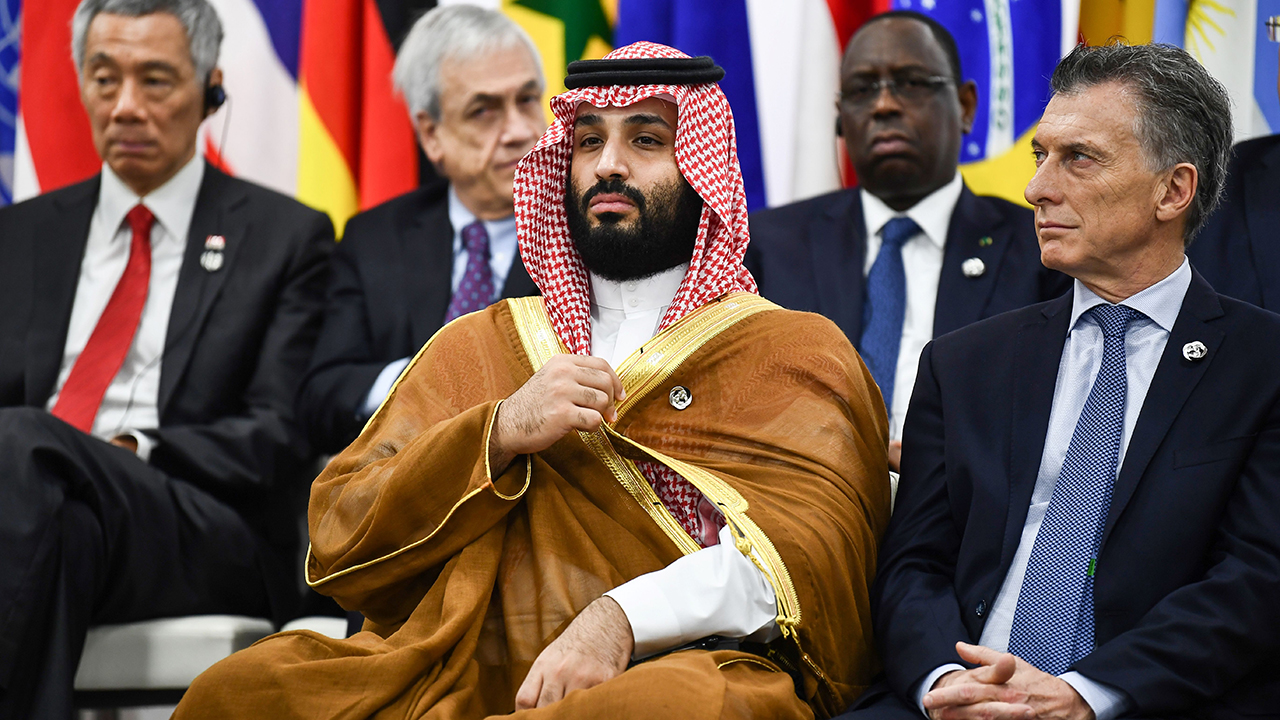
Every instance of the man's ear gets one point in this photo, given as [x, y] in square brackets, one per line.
[1177, 191]
[428, 131]
[215, 81]
[968, 94]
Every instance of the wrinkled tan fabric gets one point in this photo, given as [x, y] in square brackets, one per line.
[465, 580]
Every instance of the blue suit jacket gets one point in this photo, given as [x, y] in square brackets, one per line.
[1188, 577]
[810, 256]
[1238, 251]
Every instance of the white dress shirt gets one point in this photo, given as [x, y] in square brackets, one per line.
[1081, 359]
[131, 403]
[716, 590]
[503, 249]
[922, 256]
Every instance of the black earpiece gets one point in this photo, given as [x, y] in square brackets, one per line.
[214, 96]
[839, 128]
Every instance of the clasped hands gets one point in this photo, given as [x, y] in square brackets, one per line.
[1002, 687]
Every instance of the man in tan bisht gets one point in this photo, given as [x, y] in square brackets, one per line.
[560, 513]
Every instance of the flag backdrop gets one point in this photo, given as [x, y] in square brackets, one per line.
[312, 112]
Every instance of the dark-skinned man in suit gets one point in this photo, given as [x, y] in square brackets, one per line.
[473, 83]
[157, 319]
[911, 253]
[1087, 520]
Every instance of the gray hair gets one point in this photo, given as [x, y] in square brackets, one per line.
[198, 18]
[1184, 114]
[451, 32]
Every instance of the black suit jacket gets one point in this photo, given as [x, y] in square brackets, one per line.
[1238, 251]
[391, 285]
[1188, 576]
[810, 256]
[237, 343]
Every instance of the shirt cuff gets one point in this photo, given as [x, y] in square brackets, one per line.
[927, 683]
[144, 441]
[1107, 702]
[381, 386]
[714, 591]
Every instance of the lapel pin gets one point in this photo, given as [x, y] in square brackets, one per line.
[1194, 350]
[973, 267]
[211, 260]
[985, 242]
[680, 397]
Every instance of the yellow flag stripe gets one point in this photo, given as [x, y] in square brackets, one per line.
[324, 180]
[1004, 176]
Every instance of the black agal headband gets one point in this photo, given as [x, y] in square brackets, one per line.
[642, 71]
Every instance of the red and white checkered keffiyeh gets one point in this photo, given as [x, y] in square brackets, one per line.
[707, 155]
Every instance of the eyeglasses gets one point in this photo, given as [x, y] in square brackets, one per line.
[909, 88]
[1273, 28]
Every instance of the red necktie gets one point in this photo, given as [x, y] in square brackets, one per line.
[104, 354]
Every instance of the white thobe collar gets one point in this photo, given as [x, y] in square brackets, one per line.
[625, 314]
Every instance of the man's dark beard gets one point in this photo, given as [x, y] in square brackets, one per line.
[661, 238]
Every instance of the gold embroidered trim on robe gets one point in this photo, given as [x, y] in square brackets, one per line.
[641, 372]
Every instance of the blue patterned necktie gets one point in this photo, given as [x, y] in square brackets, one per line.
[885, 305]
[1053, 623]
[475, 292]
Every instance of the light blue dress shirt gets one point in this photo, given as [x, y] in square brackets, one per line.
[503, 250]
[1081, 359]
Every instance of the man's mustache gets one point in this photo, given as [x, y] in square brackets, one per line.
[613, 186]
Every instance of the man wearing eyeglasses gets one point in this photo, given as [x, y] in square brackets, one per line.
[1238, 251]
[912, 253]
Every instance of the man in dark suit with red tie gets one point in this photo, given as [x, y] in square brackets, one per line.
[156, 320]
[473, 83]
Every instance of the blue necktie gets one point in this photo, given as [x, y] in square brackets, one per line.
[885, 305]
[1053, 623]
[475, 291]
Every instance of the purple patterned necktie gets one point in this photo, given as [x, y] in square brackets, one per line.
[475, 292]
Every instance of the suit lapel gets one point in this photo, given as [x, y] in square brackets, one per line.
[1261, 189]
[518, 283]
[838, 251]
[427, 274]
[1172, 384]
[1037, 355]
[58, 240]
[974, 232]
[218, 211]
